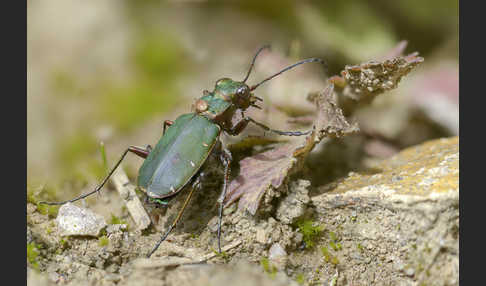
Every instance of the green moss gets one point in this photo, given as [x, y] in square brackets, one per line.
[310, 231]
[300, 278]
[224, 255]
[50, 211]
[326, 254]
[328, 257]
[32, 254]
[268, 267]
[103, 241]
[333, 236]
[116, 220]
[360, 247]
[44, 193]
[335, 246]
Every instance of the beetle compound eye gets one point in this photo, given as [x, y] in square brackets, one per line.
[243, 90]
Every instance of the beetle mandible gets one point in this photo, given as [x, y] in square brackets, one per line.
[170, 166]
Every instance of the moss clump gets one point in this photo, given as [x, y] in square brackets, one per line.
[300, 278]
[103, 241]
[63, 244]
[32, 254]
[223, 254]
[268, 267]
[310, 232]
[333, 236]
[50, 211]
[328, 257]
[335, 246]
[116, 220]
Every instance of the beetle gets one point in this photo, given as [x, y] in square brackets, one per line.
[175, 163]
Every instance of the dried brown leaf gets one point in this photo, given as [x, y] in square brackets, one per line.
[360, 84]
[269, 169]
[367, 80]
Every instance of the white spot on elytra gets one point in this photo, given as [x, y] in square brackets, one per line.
[192, 163]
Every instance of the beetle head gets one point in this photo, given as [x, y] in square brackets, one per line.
[239, 93]
[236, 92]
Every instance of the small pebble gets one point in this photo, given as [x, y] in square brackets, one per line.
[73, 220]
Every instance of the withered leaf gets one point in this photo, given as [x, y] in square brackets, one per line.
[362, 83]
[269, 169]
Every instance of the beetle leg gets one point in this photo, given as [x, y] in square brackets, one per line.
[286, 133]
[139, 151]
[167, 123]
[136, 150]
[238, 127]
[148, 148]
[195, 184]
[226, 160]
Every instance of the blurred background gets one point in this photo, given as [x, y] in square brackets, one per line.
[112, 71]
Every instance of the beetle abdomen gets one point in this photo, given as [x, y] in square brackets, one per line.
[178, 155]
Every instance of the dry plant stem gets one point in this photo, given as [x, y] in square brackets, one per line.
[224, 248]
[127, 193]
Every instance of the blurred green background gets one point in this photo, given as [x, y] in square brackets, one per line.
[114, 70]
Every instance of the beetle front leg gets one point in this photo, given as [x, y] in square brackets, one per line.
[226, 160]
[286, 133]
[141, 152]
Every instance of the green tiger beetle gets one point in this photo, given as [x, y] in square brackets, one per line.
[177, 159]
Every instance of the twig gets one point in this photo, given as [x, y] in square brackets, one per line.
[127, 193]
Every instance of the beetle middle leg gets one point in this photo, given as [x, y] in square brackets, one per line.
[195, 185]
[139, 151]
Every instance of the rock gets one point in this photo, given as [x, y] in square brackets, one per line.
[407, 210]
[293, 206]
[73, 220]
[277, 256]
[261, 235]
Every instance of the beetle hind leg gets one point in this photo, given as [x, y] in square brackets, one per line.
[141, 152]
[226, 160]
[195, 185]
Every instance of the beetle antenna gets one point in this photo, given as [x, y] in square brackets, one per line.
[311, 60]
[254, 58]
